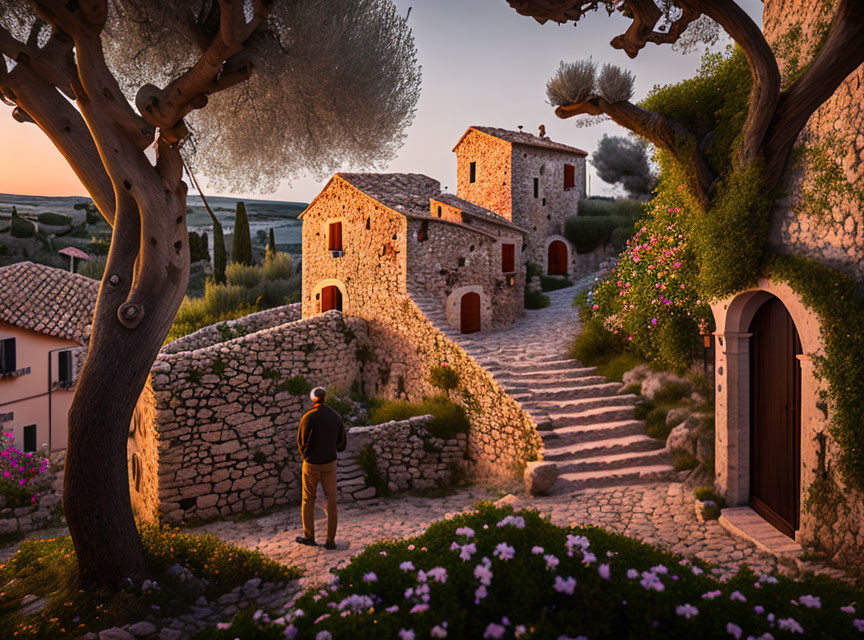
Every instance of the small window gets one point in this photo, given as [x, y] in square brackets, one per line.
[536, 187]
[473, 168]
[7, 355]
[64, 366]
[30, 438]
[368, 224]
[439, 208]
[335, 236]
[508, 258]
[461, 262]
[423, 233]
[569, 176]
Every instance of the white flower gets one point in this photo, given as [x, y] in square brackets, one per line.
[516, 521]
[737, 595]
[483, 573]
[407, 566]
[848, 609]
[468, 532]
[687, 610]
[406, 634]
[323, 635]
[504, 551]
[811, 602]
[536, 550]
[603, 570]
[370, 577]
[438, 574]
[790, 624]
[551, 561]
[565, 586]
[733, 630]
[438, 631]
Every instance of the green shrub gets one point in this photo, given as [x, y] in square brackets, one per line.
[708, 493]
[443, 377]
[340, 402]
[93, 268]
[54, 219]
[198, 247]
[684, 461]
[48, 569]
[616, 366]
[536, 300]
[21, 228]
[550, 283]
[296, 386]
[242, 249]
[448, 418]
[591, 232]
[92, 213]
[243, 275]
[596, 208]
[279, 266]
[647, 593]
[595, 345]
[368, 461]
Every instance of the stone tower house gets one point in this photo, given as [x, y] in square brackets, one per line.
[531, 180]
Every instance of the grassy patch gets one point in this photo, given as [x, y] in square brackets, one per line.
[536, 300]
[48, 569]
[684, 461]
[597, 347]
[448, 418]
[549, 283]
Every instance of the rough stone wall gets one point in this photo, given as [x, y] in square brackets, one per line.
[372, 268]
[142, 456]
[405, 344]
[227, 431]
[222, 331]
[584, 264]
[453, 256]
[494, 165]
[836, 236]
[406, 456]
[544, 215]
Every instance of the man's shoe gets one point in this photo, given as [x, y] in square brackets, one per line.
[307, 541]
[331, 544]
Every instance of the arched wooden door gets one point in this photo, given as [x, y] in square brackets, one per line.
[557, 259]
[331, 298]
[775, 416]
[470, 312]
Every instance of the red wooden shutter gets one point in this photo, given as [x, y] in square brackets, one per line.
[335, 236]
[470, 312]
[508, 258]
[569, 176]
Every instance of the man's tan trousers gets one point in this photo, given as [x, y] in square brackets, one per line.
[312, 475]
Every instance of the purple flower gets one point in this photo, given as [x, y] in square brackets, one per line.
[687, 610]
[465, 531]
[565, 586]
[536, 550]
[419, 608]
[859, 625]
[603, 570]
[406, 634]
[504, 551]
[438, 574]
[480, 594]
[291, 632]
[494, 631]
[370, 577]
[733, 630]
[737, 595]
[848, 609]
[551, 561]
[811, 602]
[789, 624]
[407, 566]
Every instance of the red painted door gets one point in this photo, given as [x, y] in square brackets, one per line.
[331, 298]
[557, 258]
[470, 312]
[775, 417]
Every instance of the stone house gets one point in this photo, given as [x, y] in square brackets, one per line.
[369, 237]
[773, 439]
[42, 346]
[533, 181]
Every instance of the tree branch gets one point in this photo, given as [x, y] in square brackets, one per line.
[51, 63]
[641, 30]
[764, 72]
[663, 132]
[841, 55]
[216, 70]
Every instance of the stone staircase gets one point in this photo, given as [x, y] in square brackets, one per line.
[588, 426]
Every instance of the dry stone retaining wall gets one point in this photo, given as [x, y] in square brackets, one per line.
[227, 430]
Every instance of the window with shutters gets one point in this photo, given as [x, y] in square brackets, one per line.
[569, 176]
[7, 355]
[508, 258]
[334, 237]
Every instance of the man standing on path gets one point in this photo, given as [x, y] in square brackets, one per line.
[320, 436]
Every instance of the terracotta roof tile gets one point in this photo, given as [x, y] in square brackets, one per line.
[527, 139]
[478, 211]
[406, 193]
[48, 300]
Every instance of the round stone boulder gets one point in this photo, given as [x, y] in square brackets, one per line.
[540, 476]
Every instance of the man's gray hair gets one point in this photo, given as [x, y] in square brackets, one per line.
[318, 394]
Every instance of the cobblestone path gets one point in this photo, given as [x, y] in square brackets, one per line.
[588, 426]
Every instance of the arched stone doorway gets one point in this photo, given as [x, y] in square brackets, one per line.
[331, 298]
[766, 340]
[557, 258]
[470, 312]
[775, 416]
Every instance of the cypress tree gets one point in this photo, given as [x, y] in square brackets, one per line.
[271, 245]
[242, 250]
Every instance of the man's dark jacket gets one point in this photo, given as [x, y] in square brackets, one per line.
[321, 435]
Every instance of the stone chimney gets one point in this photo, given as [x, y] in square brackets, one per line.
[542, 130]
[520, 128]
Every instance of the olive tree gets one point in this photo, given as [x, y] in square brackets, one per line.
[248, 92]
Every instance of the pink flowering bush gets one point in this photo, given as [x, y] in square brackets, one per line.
[649, 301]
[19, 472]
[497, 574]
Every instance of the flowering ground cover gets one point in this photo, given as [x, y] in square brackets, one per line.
[19, 472]
[496, 573]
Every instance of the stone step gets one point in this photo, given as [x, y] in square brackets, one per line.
[594, 448]
[592, 432]
[558, 408]
[626, 459]
[612, 477]
[520, 365]
[549, 381]
[569, 393]
[544, 373]
[613, 413]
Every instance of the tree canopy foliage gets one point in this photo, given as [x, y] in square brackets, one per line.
[624, 161]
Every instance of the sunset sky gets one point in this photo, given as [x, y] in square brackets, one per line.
[483, 64]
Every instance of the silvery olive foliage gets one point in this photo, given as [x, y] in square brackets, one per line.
[576, 82]
[614, 83]
[334, 83]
